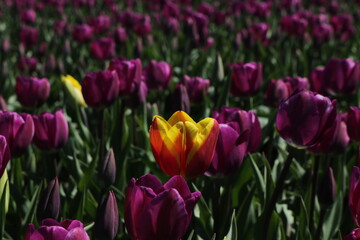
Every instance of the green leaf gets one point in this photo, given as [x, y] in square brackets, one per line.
[3, 208]
[30, 214]
[303, 228]
[260, 181]
[333, 218]
[232, 234]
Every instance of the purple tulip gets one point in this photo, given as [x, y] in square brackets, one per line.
[181, 100]
[246, 79]
[354, 235]
[100, 23]
[107, 167]
[29, 37]
[51, 229]
[101, 88]
[343, 26]
[230, 151]
[197, 88]
[280, 90]
[120, 35]
[156, 211]
[317, 80]
[107, 219]
[294, 25]
[142, 26]
[18, 129]
[353, 121]
[82, 33]
[258, 32]
[32, 91]
[157, 75]
[335, 138]
[4, 154]
[197, 26]
[51, 130]
[26, 64]
[59, 27]
[304, 117]
[49, 204]
[206, 8]
[342, 75]
[103, 48]
[322, 33]
[245, 123]
[354, 195]
[129, 73]
[28, 16]
[138, 94]
[290, 4]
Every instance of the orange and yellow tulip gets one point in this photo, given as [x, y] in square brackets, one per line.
[181, 146]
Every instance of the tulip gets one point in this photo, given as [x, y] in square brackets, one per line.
[28, 16]
[18, 129]
[51, 130]
[181, 99]
[354, 235]
[49, 204]
[142, 26]
[82, 33]
[157, 75]
[100, 23]
[108, 167]
[102, 49]
[120, 35]
[230, 150]
[290, 4]
[51, 229]
[245, 123]
[26, 64]
[138, 94]
[156, 211]
[129, 73]
[74, 89]
[353, 121]
[258, 32]
[107, 219]
[181, 146]
[246, 79]
[59, 27]
[343, 26]
[354, 196]
[280, 90]
[197, 88]
[327, 192]
[294, 25]
[322, 33]
[317, 80]
[304, 117]
[206, 8]
[32, 91]
[101, 88]
[342, 75]
[4, 155]
[29, 37]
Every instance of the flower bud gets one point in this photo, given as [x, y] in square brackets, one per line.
[108, 167]
[246, 79]
[327, 190]
[181, 99]
[197, 88]
[32, 91]
[51, 130]
[107, 219]
[157, 75]
[49, 204]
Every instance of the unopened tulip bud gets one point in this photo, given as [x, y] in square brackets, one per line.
[108, 167]
[49, 204]
[181, 100]
[107, 219]
[32, 91]
[327, 190]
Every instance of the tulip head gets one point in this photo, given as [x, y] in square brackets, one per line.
[29, 37]
[353, 121]
[32, 91]
[304, 117]
[197, 88]
[103, 48]
[82, 33]
[101, 88]
[49, 204]
[317, 78]
[246, 79]
[51, 229]
[74, 89]
[27, 65]
[51, 130]
[4, 155]
[156, 211]
[107, 219]
[157, 75]
[181, 146]
[108, 167]
[181, 98]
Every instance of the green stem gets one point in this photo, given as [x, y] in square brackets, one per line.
[313, 195]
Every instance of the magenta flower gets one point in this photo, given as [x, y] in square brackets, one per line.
[157, 75]
[32, 91]
[156, 211]
[103, 48]
[51, 130]
[82, 33]
[51, 229]
[197, 88]
[29, 37]
[353, 121]
[354, 235]
[100, 23]
[246, 79]
[304, 117]
[4, 154]
[107, 218]
[27, 65]
[18, 129]
[28, 16]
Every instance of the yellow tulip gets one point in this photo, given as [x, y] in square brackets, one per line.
[181, 146]
[74, 88]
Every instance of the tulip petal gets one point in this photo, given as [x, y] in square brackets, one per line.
[180, 116]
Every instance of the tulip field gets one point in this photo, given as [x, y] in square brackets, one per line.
[180, 119]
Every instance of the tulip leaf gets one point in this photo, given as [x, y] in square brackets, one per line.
[30, 214]
[246, 213]
[333, 218]
[232, 234]
[260, 181]
[88, 173]
[303, 229]
[3, 200]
